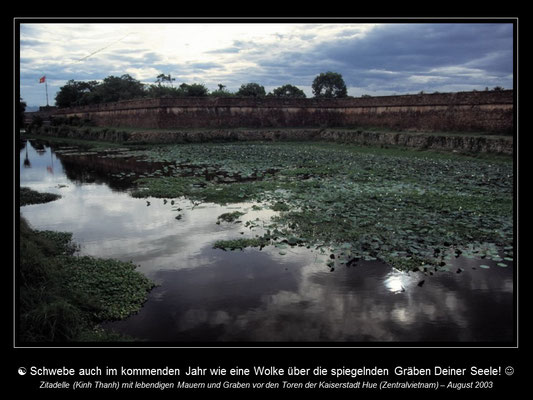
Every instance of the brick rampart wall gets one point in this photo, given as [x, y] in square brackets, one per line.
[490, 111]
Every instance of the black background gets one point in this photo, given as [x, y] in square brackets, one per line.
[335, 356]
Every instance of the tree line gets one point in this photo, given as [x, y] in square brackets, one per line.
[78, 93]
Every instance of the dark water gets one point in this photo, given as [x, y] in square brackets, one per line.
[210, 295]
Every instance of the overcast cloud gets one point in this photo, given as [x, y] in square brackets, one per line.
[374, 59]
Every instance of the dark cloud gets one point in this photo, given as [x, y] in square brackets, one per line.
[226, 50]
[428, 49]
[135, 59]
[237, 46]
[416, 47]
[31, 42]
[403, 57]
[204, 65]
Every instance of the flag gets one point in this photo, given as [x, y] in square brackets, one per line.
[42, 79]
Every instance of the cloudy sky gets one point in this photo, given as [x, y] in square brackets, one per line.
[374, 59]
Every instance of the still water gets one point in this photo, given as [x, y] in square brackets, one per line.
[214, 296]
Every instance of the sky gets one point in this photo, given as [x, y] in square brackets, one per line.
[373, 58]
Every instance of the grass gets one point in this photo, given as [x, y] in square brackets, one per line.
[30, 196]
[82, 143]
[409, 208]
[63, 298]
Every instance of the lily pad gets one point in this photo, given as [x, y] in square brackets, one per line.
[403, 207]
[503, 265]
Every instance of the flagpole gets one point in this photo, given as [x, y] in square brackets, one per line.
[41, 80]
[46, 88]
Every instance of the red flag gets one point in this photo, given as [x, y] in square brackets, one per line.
[43, 79]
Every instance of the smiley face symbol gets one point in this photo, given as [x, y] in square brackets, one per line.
[509, 371]
[22, 371]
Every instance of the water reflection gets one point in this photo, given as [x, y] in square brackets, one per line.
[243, 296]
[208, 295]
[27, 162]
[397, 282]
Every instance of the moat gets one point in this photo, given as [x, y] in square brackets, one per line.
[125, 204]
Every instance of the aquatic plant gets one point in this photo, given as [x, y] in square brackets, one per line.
[241, 243]
[30, 196]
[230, 216]
[63, 297]
[411, 209]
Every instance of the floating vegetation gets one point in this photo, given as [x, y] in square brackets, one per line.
[116, 290]
[29, 196]
[230, 217]
[240, 243]
[280, 206]
[64, 297]
[410, 209]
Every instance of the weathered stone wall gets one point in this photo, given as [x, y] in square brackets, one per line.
[490, 111]
[464, 143]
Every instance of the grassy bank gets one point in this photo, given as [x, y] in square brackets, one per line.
[63, 297]
[29, 196]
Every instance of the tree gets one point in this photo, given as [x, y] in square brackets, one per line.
[288, 91]
[76, 93]
[164, 78]
[329, 85]
[115, 88]
[221, 91]
[251, 90]
[193, 90]
[158, 90]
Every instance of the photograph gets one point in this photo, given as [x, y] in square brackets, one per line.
[267, 183]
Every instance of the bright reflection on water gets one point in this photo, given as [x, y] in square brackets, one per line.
[210, 295]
